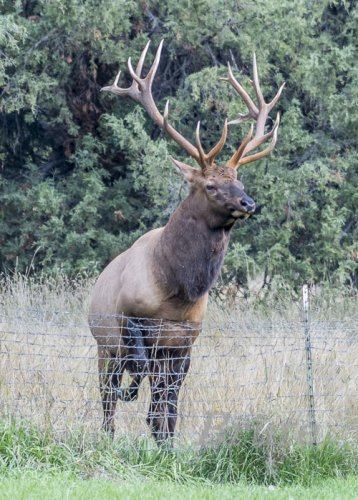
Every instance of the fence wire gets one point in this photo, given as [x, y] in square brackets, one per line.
[241, 371]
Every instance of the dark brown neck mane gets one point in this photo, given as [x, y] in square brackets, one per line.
[191, 249]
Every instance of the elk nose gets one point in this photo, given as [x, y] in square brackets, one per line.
[248, 204]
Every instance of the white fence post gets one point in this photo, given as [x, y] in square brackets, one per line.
[308, 349]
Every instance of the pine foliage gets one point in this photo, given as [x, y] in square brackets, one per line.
[84, 173]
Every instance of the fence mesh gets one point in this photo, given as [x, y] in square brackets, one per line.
[241, 371]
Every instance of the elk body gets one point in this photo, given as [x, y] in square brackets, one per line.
[148, 304]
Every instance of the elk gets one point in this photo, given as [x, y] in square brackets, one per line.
[148, 304]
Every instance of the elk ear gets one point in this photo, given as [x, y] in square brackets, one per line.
[189, 173]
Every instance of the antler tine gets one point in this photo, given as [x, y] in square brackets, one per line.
[114, 87]
[218, 147]
[142, 59]
[165, 116]
[237, 160]
[151, 74]
[271, 104]
[153, 69]
[234, 160]
[258, 140]
[115, 84]
[252, 108]
[131, 91]
[242, 118]
[203, 156]
[136, 74]
[133, 74]
[208, 159]
[256, 82]
[264, 152]
[260, 114]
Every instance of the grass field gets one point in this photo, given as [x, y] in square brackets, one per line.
[243, 426]
[247, 364]
[243, 456]
[52, 487]
[34, 464]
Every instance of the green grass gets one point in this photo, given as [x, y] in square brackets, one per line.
[244, 457]
[41, 486]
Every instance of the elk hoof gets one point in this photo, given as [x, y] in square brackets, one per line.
[127, 395]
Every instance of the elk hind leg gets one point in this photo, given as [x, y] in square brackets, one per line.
[110, 375]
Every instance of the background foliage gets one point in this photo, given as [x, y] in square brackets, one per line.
[83, 174]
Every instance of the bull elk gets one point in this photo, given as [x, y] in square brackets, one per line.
[166, 275]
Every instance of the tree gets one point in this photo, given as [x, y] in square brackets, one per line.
[84, 174]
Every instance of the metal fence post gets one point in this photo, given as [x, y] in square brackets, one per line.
[308, 349]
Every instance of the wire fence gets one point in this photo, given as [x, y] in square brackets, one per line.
[295, 374]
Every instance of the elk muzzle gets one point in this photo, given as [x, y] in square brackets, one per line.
[243, 206]
[248, 204]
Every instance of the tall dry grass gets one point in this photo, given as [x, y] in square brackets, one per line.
[247, 365]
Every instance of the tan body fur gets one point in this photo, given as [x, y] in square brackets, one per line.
[129, 286]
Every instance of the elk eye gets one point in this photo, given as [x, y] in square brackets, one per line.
[210, 188]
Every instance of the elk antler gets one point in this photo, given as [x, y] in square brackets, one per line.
[141, 92]
[258, 113]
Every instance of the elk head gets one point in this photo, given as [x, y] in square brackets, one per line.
[217, 185]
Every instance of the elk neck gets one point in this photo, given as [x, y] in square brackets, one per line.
[191, 250]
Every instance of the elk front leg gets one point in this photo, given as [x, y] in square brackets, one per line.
[167, 376]
[110, 370]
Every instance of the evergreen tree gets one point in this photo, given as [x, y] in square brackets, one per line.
[83, 174]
